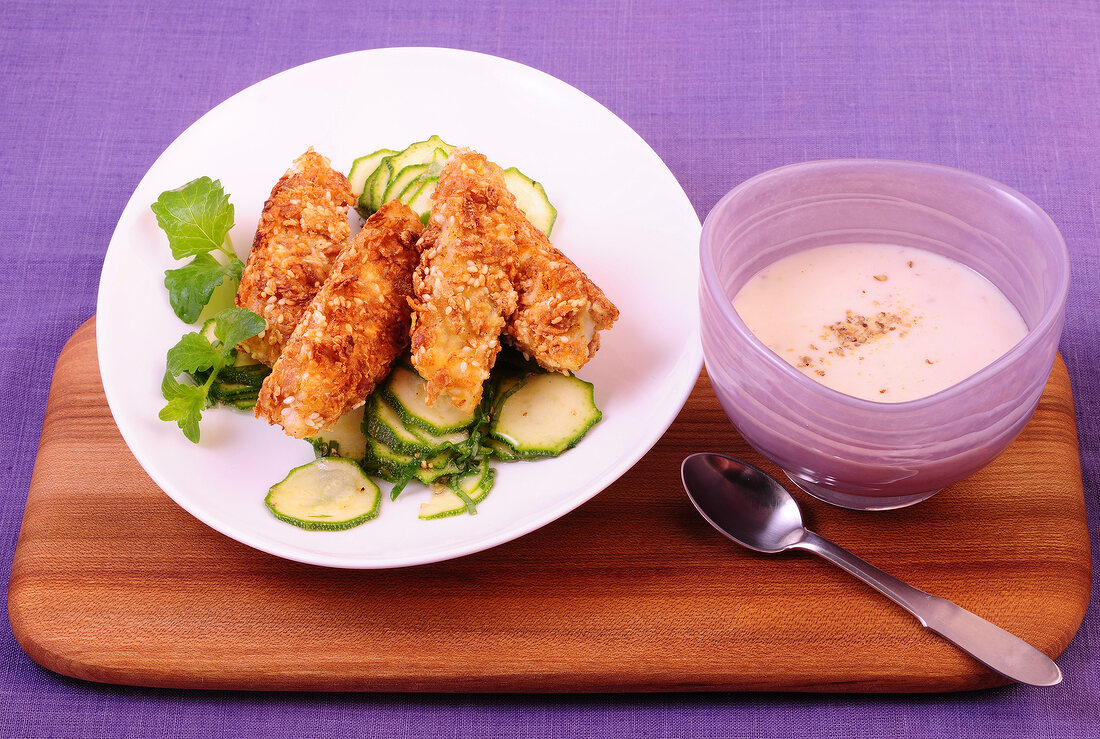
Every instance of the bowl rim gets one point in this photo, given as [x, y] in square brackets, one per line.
[1054, 311]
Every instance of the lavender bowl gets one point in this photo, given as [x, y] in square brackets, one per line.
[858, 453]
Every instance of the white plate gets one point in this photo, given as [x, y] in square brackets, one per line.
[622, 218]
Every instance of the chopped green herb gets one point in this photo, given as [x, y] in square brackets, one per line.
[324, 447]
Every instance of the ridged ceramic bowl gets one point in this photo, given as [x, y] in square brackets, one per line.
[859, 453]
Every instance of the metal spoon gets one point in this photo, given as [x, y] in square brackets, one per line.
[755, 510]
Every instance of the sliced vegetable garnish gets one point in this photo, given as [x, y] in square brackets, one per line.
[411, 176]
[345, 439]
[404, 389]
[546, 415]
[463, 494]
[327, 494]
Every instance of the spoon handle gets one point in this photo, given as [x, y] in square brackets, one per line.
[989, 644]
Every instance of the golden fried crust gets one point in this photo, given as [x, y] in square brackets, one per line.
[561, 311]
[352, 331]
[463, 284]
[302, 227]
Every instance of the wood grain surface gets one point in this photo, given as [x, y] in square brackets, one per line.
[633, 591]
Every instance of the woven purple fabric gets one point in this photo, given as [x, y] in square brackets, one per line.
[92, 92]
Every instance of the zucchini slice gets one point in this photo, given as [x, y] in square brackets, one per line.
[407, 176]
[380, 459]
[439, 441]
[207, 332]
[327, 494]
[244, 359]
[421, 152]
[409, 188]
[421, 200]
[404, 389]
[439, 158]
[502, 388]
[462, 495]
[251, 375]
[501, 451]
[375, 186]
[410, 175]
[363, 167]
[443, 503]
[532, 200]
[240, 395]
[418, 193]
[400, 469]
[345, 439]
[383, 423]
[441, 465]
[546, 415]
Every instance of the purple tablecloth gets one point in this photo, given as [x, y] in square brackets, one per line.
[91, 93]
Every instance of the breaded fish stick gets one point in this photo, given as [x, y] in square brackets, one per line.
[355, 327]
[560, 311]
[463, 284]
[303, 225]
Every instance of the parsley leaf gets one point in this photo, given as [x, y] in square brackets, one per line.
[196, 217]
[234, 325]
[194, 353]
[190, 287]
[185, 406]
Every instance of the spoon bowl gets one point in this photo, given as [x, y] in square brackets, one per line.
[754, 509]
[743, 502]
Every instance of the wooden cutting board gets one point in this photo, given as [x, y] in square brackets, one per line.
[113, 582]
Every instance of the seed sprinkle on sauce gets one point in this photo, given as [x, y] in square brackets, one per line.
[856, 330]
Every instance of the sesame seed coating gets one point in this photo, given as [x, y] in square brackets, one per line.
[561, 311]
[463, 284]
[351, 332]
[302, 227]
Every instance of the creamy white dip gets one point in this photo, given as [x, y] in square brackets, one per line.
[877, 321]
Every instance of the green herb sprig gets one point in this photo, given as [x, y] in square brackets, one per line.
[195, 353]
[197, 218]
